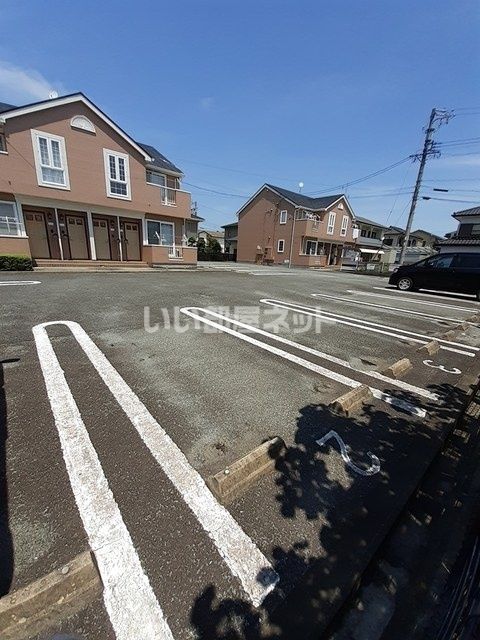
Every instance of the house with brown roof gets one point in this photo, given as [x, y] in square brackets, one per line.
[278, 226]
[467, 236]
[74, 186]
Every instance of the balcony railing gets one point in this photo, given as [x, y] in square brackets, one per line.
[168, 196]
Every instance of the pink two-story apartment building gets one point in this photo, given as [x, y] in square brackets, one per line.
[279, 226]
[75, 187]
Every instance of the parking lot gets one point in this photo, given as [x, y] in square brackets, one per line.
[124, 392]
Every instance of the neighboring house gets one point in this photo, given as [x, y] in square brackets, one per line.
[278, 226]
[191, 226]
[231, 239]
[420, 243]
[75, 186]
[370, 239]
[215, 235]
[393, 237]
[467, 236]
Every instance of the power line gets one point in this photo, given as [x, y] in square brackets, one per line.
[450, 200]
[343, 185]
[218, 193]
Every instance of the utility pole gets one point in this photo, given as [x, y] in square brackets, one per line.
[437, 115]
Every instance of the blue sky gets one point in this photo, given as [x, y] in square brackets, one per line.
[238, 93]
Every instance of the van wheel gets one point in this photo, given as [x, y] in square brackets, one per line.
[405, 284]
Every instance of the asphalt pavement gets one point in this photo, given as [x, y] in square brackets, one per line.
[165, 378]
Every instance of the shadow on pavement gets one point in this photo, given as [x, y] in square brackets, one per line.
[354, 514]
[6, 544]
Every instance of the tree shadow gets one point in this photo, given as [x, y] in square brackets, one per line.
[354, 513]
[6, 544]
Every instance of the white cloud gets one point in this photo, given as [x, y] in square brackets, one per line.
[207, 103]
[460, 161]
[19, 85]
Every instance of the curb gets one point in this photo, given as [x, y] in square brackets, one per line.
[241, 474]
[352, 400]
[431, 348]
[40, 605]
[397, 369]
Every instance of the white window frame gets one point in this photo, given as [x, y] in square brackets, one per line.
[108, 179]
[17, 221]
[312, 242]
[165, 191]
[283, 216]
[278, 246]
[3, 143]
[160, 243]
[331, 223]
[36, 135]
[344, 227]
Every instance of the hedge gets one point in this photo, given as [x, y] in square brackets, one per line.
[15, 263]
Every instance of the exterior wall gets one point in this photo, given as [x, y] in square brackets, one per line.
[13, 245]
[259, 226]
[154, 254]
[85, 161]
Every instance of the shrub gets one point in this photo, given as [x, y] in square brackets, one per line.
[15, 263]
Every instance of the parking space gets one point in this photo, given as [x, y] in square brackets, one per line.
[123, 393]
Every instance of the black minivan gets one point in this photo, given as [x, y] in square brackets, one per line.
[459, 272]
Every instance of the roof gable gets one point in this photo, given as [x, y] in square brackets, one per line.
[300, 200]
[15, 112]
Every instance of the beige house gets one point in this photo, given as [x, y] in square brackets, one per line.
[231, 239]
[75, 187]
[277, 226]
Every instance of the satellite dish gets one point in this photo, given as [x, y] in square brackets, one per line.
[52, 95]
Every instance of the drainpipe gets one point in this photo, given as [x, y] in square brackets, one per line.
[291, 239]
[60, 244]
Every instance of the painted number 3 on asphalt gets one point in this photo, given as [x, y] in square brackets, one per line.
[454, 370]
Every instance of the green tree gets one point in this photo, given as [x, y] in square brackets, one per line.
[213, 249]
[201, 250]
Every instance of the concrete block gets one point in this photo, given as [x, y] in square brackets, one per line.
[399, 368]
[239, 476]
[450, 335]
[352, 400]
[431, 348]
[40, 605]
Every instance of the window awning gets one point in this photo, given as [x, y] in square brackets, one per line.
[372, 251]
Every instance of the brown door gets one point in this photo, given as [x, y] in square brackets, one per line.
[42, 233]
[130, 230]
[106, 237]
[74, 234]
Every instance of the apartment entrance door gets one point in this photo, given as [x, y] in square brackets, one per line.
[130, 234]
[74, 235]
[105, 235]
[42, 233]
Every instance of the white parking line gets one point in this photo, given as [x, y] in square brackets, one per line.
[128, 595]
[399, 294]
[372, 326]
[319, 354]
[361, 303]
[18, 283]
[327, 373]
[241, 555]
[433, 293]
